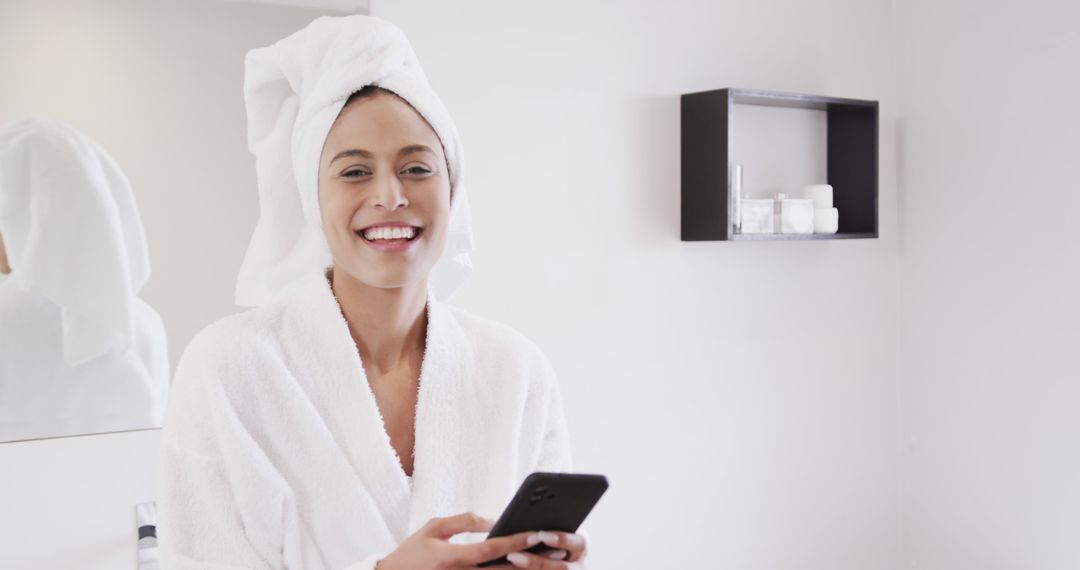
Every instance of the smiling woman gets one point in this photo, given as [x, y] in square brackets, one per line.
[352, 419]
[383, 196]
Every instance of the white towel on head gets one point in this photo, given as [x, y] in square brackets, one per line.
[294, 90]
[72, 233]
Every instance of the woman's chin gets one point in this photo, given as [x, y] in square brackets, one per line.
[383, 280]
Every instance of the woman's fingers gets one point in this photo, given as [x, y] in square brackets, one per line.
[569, 548]
[573, 544]
[446, 527]
[541, 562]
[492, 548]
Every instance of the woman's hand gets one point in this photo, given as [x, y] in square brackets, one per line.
[428, 548]
[569, 556]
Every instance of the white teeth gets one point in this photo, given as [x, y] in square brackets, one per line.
[395, 232]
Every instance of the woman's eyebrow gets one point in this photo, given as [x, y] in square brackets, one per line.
[367, 154]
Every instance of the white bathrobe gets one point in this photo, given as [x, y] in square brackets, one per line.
[274, 454]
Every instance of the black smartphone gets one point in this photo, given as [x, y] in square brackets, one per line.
[548, 501]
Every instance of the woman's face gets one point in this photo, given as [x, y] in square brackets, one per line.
[384, 192]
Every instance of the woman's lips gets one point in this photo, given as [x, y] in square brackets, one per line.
[390, 245]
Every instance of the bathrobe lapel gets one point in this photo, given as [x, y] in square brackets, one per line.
[442, 472]
[337, 385]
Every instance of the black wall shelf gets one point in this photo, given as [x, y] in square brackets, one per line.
[851, 164]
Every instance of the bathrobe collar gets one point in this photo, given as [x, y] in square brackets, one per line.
[317, 334]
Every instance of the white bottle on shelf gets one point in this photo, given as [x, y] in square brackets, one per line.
[736, 186]
[778, 212]
[758, 216]
[826, 217]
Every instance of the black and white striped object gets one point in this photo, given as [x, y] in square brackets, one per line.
[146, 521]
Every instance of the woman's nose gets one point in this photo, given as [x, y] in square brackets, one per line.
[390, 193]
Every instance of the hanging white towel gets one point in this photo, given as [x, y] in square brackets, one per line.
[72, 232]
[80, 353]
[274, 454]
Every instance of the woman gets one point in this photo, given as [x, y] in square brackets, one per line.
[352, 419]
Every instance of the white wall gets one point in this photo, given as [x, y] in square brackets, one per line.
[159, 84]
[741, 397]
[69, 502]
[989, 136]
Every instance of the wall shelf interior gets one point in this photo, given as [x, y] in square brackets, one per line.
[707, 170]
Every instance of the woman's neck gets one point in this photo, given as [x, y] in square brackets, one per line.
[389, 326]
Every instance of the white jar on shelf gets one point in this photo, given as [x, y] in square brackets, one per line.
[821, 194]
[797, 216]
[826, 220]
[757, 216]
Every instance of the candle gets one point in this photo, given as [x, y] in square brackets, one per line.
[826, 220]
[821, 194]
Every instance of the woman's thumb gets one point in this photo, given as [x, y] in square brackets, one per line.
[446, 527]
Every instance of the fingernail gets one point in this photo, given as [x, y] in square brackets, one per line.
[532, 538]
[557, 555]
[550, 538]
[518, 559]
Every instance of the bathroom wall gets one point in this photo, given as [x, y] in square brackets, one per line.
[159, 84]
[990, 259]
[741, 397]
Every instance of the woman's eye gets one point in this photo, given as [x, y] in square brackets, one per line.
[356, 172]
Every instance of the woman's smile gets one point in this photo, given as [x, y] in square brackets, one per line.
[390, 238]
